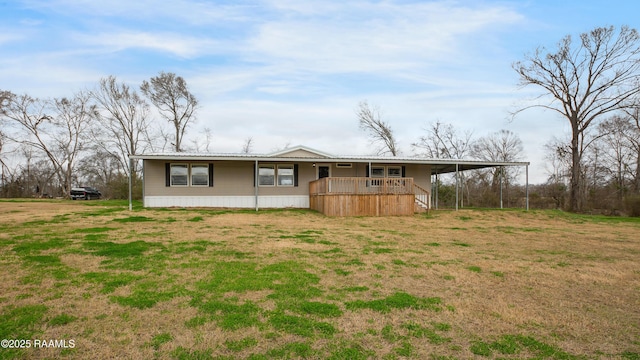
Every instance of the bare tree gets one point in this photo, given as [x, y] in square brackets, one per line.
[2, 141]
[620, 144]
[285, 146]
[558, 160]
[124, 122]
[4, 169]
[207, 139]
[56, 129]
[443, 141]
[169, 93]
[73, 119]
[501, 146]
[247, 146]
[370, 119]
[203, 145]
[102, 169]
[633, 137]
[584, 81]
[558, 166]
[5, 96]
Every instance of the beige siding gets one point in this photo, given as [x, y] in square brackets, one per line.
[344, 172]
[230, 178]
[299, 153]
[421, 175]
[236, 178]
[306, 173]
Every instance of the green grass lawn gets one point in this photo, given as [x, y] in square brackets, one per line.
[293, 284]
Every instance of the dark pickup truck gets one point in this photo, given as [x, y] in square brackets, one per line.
[85, 193]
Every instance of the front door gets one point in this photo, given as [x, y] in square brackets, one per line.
[323, 171]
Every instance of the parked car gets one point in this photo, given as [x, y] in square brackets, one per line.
[85, 193]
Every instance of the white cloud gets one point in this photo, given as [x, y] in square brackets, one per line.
[175, 44]
[305, 8]
[186, 12]
[7, 37]
[368, 37]
[46, 74]
[287, 71]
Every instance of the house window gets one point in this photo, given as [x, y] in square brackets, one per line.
[377, 171]
[394, 171]
[179, 175]
[189, 174]
[285, 175]
[267, 175]
[200, 175]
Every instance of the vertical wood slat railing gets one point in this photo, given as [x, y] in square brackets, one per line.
[361, 185]
[422, 197]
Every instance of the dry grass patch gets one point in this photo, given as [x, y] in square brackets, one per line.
[200, 283]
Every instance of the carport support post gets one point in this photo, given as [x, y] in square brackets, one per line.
[437, 187]
[527, 186]
[256, 180]
[130, 182]
[501, 177]
[457, 175]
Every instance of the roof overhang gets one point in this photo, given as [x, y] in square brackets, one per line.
[438, 166]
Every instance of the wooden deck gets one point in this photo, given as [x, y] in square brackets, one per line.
[360, 196]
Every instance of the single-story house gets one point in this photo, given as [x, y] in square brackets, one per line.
[298, 177]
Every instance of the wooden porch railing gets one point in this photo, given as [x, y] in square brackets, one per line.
[423, 197]
[361, 185]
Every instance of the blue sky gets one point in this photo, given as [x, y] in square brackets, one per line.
[293, 72]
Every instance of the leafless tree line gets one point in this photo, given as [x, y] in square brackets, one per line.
[589, 82]
[609, 170]
[48, 146]
[594, 83]
[610, 165]
[444, 141]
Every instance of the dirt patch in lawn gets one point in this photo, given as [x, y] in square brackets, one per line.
[36, 210]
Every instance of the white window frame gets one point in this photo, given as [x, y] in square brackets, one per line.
[374, 168]
[398, 168]
[191, 174]
[344, 165]
[171, 174]
[280, 177]
[375, 178]
[273, 175]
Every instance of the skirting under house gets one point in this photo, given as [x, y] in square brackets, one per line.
[239, 202]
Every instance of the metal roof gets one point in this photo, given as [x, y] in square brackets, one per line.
[439, 166]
